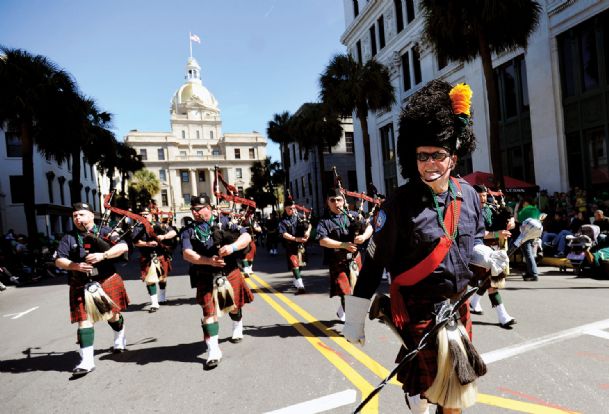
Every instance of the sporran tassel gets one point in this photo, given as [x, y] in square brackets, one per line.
[475, 359]
[353, 274]
[154, 271]
[97, 303]
[446, 389]
[223, 296]
[463, 369]
[498, 282]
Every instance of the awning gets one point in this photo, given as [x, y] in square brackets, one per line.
[512, 185]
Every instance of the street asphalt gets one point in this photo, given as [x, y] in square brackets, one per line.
[293, 359]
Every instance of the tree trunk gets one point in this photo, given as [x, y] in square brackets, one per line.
[75, 187]
[29, 191]
[493, 110]
[363, 120]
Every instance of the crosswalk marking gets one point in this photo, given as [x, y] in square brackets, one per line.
[319, 405]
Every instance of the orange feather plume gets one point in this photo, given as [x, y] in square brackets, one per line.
[461, 98]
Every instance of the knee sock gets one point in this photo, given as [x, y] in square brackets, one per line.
[236, 316]
[210, 329]
[118, 325]
[85, 337]
[246, 263]
[162, 285]
[495, 299]
[151, 289]
[296, 273]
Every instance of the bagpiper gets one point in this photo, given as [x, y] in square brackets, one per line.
[97, 291]
[295, 232]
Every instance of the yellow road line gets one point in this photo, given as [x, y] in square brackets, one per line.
[382, 372]
[351, 374]
[376, 368]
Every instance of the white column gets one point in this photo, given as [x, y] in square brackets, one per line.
[193, 182]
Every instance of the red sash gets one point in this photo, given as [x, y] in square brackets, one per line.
[426, 266]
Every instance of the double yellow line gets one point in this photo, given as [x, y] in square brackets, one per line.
[351, 374]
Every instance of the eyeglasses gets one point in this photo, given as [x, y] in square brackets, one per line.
[335, 199]
[436, 156]
[193, 208]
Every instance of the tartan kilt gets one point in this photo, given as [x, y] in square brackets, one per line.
[112, 285]
[204, 297]
[291, 253]
[249, 256]
[145, 265]
[418, 375]
[340, 284]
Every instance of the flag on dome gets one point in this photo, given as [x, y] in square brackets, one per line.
[195, 38]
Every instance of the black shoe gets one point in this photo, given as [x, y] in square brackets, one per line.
[300, 291]
[236, 340]
[211, 363]
[475, 312]
[530, 278]
[118, 350]
[79, 372]
[508, 324]
[152, 310]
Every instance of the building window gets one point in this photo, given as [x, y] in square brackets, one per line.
[399, 15]
[185, 175]
[352, 177]
[211, 134]
[240, 190]
[372, 32]
[416, 65]
[215, 152]
[239, 172]
[302, 185]
[13, 144]
[202, 176]
[183, 155]
[91, 170]
[198, 134]
[355, 8]
[50, 176]
[406, 71]
[183, 134]
[87, 189]
[358, 47]
[381, 28]
[164, 198]
[61, 180]
[296, 188]
[186, 197]
[69, 162]
[94, 199]
[84, 166]
[409, 11]
[389, 159]
[349, 142]
[143, 154]
[17, 184]
[252, 154]
[162, 176]
[161, 154]
[442, 61]
[237, 153]
[200, 154]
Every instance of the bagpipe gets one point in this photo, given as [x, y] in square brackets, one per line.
[358, 222]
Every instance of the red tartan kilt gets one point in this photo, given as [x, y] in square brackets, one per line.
[252, 253]
[113, 286]
[145, 265]
[242, 292]
[417, 376]
[340, 284]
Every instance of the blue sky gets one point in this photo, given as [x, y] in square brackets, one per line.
[258, 57]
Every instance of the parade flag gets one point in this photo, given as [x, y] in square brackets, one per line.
[195, 38]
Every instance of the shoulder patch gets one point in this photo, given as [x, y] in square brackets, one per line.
[380, 221]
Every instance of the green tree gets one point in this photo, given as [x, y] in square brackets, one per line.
[267, 176]
[314, 127]
[464, 30]
[278, 131]
[127, 162]
[348, 86]
[143, 185]
[34, 93]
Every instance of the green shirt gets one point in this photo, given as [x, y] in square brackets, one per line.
[529, 211]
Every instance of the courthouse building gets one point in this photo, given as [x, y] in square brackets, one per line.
[184, 158]
[554, 96]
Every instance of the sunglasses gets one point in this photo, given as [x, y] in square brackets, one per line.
[436, 156]
[198, 208]
[335, 199]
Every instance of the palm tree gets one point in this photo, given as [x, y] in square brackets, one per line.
[464, 30]
[143, 185]
[314, 128]
[278, 131]
[128, 161]
[266, 176]
[35, 93]
[347, 86]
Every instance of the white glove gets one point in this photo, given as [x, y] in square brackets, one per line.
[494, 260]
[356, 310]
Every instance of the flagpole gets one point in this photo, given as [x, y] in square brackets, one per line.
[190, 42]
